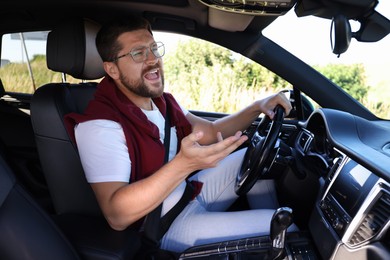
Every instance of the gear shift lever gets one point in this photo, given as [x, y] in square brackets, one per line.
[281, 220]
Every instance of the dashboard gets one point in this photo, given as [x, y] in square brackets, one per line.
[350, 218]
[352, 212]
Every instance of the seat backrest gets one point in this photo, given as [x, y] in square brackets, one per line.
[70, 49]
[2, 90]
[27, 232]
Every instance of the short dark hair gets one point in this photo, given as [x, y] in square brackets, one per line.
[107, 38]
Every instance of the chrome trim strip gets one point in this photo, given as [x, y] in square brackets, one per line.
[344, 160]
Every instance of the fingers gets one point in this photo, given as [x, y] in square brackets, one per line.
[229, 144]
[284, 102]
[202, 157]
[270, 113]
[270, 103]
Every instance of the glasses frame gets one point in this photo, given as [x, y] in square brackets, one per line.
[147, 50]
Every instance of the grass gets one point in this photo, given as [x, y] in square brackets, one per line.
[16, 76]
[217, 96]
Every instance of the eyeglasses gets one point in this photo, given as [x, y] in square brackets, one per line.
[141, 54]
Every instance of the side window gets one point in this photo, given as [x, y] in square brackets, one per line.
[207, 77]
[23, 62]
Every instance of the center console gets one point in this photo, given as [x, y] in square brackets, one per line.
[346, 194]
[352, 211]
[278, 245]
[298, 246]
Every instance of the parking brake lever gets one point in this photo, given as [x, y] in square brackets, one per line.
[281, 220]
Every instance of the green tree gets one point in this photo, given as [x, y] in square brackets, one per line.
[209, 77]
[351, 78]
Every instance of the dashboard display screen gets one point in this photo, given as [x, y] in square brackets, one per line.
[352, 186]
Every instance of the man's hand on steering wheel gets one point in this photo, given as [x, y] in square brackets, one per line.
[268, 104]
[262, 150]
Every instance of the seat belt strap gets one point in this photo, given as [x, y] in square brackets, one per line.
[170, 216]
[152, 221]
[155, 227]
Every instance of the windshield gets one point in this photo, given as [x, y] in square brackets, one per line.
[364, 64]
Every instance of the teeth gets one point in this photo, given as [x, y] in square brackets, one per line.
[153, 71]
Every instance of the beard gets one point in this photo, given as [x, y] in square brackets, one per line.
[140, 88]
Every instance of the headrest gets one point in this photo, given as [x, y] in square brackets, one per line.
[2, 90]
[71, 49]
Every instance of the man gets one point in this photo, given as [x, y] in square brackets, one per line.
[120, 140]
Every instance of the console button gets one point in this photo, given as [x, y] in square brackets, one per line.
[337, 224]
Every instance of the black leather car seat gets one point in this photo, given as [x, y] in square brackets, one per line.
[19, 147]
[71, 50]
[26, 231]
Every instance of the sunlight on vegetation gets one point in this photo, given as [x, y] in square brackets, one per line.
[204, 76]
[352, 78]
[16, 77]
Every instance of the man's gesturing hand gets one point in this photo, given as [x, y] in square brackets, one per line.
[196, 156]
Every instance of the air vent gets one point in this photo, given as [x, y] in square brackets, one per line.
[304, 140]
[334, 168]
[373, 222]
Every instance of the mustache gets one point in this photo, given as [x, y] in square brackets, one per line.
[157, 66]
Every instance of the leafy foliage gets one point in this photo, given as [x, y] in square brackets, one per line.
[351, 78]
[205, 76]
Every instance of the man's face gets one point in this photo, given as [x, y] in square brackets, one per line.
[143, 78]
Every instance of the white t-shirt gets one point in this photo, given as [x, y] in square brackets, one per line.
[104, 155]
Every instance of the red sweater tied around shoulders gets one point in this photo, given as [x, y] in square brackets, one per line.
[146, 151]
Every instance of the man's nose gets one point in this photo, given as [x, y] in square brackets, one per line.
[151, 58]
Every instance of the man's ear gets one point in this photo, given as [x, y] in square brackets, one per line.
[111, 69]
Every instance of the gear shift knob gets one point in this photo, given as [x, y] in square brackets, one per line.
[281, 220]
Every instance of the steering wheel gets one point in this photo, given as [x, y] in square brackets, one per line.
[261, 152]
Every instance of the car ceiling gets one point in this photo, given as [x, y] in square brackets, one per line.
[14, 14]
[190, 17]
[33, 15]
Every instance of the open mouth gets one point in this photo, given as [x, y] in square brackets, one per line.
[153, 74]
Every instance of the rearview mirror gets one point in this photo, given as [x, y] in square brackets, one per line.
[340, 34]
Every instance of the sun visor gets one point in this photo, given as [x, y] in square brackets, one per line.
[251, 7]
[227, 21]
